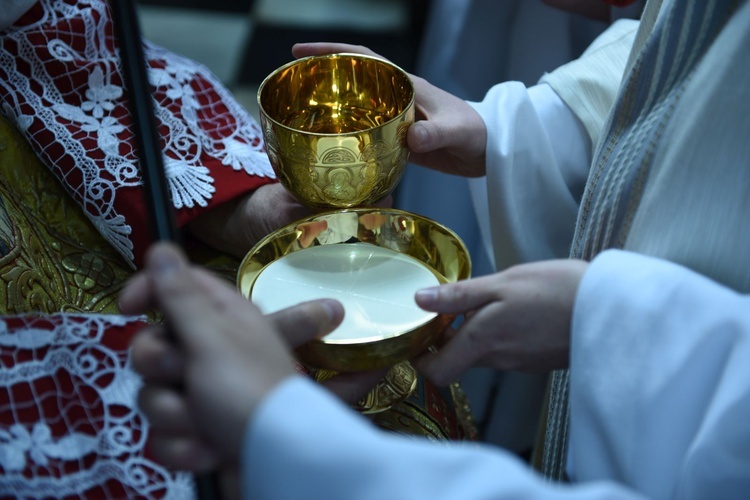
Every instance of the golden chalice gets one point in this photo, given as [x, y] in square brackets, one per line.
[335, 130]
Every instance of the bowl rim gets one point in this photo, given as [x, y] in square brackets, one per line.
[336, 55]
[363, 210]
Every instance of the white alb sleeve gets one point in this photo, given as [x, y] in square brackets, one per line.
[590, 84]
[538, 157]
[539, 148]
[304, 443]
[660, 380]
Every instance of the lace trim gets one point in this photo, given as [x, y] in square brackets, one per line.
[62, 87]
[70, 392]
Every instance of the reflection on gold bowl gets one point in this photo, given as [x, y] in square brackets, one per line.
[427, 242]
[335, 128]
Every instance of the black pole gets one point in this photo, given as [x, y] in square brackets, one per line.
[141, 109]
[148, 149]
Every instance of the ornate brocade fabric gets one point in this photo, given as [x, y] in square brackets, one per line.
[53, 259]
[69, 423]
[61, 84]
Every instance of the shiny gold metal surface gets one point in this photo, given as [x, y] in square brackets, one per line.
[397, 385]
[335, 128]
[435, 246]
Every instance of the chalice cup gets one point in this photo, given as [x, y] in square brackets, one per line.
[335, 128]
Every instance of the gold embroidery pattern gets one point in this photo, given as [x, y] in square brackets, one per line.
[58, 261]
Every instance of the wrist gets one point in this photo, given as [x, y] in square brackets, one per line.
[477, 139]
[221, 227]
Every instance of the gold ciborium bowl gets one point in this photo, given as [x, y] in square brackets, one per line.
[323, 239]
[335, 128]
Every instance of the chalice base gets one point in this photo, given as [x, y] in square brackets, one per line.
[396, 386]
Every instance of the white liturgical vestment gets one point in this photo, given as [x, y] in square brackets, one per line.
[669, 176]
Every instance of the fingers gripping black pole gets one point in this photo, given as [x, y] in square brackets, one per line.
[148, 149]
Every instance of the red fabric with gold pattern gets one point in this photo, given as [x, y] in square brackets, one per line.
[61, 83]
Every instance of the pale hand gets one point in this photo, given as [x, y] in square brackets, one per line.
[201, 388]
[518, 319]
[449, 135]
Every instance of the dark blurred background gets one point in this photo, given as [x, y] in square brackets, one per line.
[242, 41]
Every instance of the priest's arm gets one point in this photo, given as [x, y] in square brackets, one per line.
[659, 408]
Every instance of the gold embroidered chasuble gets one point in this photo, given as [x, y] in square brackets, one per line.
[53, 259]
